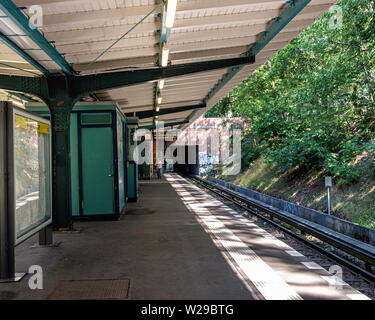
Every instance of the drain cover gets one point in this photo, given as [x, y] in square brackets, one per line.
[91, 289]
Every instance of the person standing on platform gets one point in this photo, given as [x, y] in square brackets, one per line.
[159, 170]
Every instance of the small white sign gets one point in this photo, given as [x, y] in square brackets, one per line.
[328, 182]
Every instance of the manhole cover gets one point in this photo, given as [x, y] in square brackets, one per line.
[139, 212]
[91, 290]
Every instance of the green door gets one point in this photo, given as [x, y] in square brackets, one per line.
[97, 171]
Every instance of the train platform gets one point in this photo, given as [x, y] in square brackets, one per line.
[176, 242]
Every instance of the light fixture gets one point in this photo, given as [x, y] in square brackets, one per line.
[158, 98]
[157, 109]
[164, 55]
[171, 12]
[161, 84]
[156, 117]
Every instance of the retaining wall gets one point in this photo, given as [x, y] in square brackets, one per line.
[350, 229]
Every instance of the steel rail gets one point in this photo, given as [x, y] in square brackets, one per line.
[254, 207]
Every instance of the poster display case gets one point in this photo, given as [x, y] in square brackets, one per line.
[31, 173]
[25, 180]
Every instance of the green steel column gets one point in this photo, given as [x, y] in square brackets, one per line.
[60, 120]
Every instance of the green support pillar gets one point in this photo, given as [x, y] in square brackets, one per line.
[60, 120]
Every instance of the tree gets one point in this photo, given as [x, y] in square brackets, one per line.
[312, 104]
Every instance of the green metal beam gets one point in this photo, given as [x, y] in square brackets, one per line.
[16, 15]
[84, 85]
[170, 124]
[37, 86]
[152, 113]
[75, 87]
[294, 7]
[21, 96]
[10, 44]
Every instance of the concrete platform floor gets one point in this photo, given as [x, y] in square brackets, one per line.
[178, 242]
[158, 245]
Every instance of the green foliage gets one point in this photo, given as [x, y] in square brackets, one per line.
[313, 103]
[221, 108]
[249, 150]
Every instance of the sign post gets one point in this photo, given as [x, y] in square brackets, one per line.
[328, 183]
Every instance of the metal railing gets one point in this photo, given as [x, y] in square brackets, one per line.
[262, 211]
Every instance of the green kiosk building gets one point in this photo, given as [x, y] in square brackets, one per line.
[104, 175]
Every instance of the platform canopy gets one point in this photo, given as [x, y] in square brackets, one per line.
[74, 32]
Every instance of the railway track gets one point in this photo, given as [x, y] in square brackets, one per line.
[352, 257]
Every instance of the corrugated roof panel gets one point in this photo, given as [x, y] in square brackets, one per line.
[204, 30]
